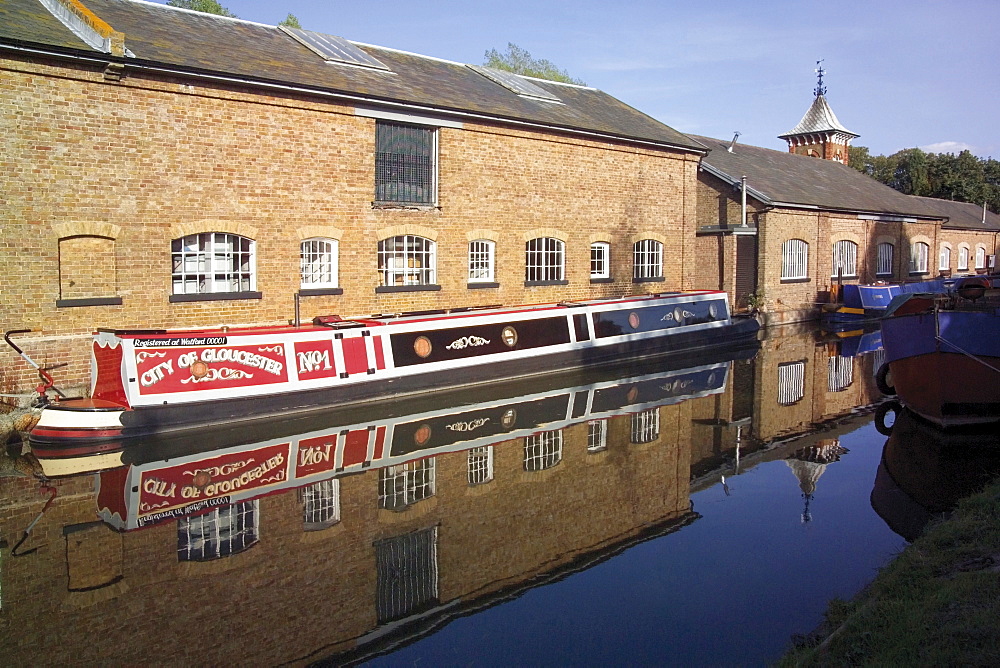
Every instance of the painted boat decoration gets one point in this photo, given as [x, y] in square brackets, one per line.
[154, 381]
[165, 480]
[943, 354]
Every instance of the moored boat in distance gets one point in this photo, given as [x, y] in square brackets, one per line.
[943, 354]
[867, 302]
[155, 381]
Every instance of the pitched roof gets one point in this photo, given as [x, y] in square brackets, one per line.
[962, 215]
[193, 43]
[818, 119]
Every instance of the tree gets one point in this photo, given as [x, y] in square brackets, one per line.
[519, 61]
[291, 22]
[205, 6]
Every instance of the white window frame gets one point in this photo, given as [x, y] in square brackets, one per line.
[919, 252]
[645, 426]
[944, 258]
[407, 259]
[845, 255]
[980, 257]
[480, 466]
[318, 263]
[221, 532]
[544, 260]
[406, 176]
[403, 485]
[213, 263]
[963, 258]
[647, 259]
[543, 451]
[886, 257]
[482, 261]
[597, 435]
[839, 373]
[794, 260]
[321, 504]
[791, 383]
[600, 260]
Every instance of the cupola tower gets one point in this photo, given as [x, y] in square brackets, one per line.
[819, 133]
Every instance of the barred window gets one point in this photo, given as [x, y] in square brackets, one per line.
[791, 382]
[213, 262]
[480, 465]
[647, 259]
[544, 259]
[405, 163]
[403, 485]
[600, 260]
[963, 258]
[481, 261]
[645, 426]
[321, 504]
[840, 373]
[597, 435]
[918, 257]
[543, 451]
[944, 258]
[886, 251]
[794, 259]
[221, 532]
[407, 260]
[406, 574]
[845, 259]
[318, 262]
[980, 257]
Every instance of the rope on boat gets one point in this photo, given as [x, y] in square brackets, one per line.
[986, 364]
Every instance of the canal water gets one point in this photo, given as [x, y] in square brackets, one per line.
[701, 512]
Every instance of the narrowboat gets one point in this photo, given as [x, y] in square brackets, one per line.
[176, 477]
[154, 381]
[942, 354]
[861, 303]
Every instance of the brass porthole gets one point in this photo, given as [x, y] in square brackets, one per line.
[199, 370]
[509, 418]
[633, 394]
[633, 320]
[422, 347]
[422, 435]
[509, 336]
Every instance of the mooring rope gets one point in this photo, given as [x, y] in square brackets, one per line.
[986, 364]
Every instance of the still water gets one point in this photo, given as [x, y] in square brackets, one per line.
[701, 515]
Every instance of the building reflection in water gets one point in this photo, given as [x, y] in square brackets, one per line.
[344, 539]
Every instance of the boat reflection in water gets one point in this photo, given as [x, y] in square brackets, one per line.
[925, 471]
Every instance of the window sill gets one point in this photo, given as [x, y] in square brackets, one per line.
[534, 284]
[406, 288]
[920, 273]
[651, 279]
[482, 285]
[319, 292]
[604, 279]
[796, 280]
[406, 206]
[851, 277]
[215, 296]
[89, 301]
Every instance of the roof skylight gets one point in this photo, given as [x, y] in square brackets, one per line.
[333, 49]
[515, 83]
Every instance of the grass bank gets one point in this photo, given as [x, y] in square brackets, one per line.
[938, 603]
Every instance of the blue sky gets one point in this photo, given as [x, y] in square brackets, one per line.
[899, 73]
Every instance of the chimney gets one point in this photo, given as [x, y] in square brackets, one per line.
[732, 144]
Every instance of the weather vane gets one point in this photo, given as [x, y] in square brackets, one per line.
[820, 88]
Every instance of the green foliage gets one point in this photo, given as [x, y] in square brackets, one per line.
[205, 6]
[519, 61]
[291, 21]
[962, 178]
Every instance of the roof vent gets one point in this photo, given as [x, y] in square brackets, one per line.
[732, 144]
[515, 83]
[333, 49]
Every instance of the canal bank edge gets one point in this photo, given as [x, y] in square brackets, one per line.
[937, 603]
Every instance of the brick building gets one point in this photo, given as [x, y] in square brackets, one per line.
[164, 168]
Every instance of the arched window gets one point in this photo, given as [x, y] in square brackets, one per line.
[918, 257]
[963, 258]
[980, 257]
[944, 258]
[647, 261]
[886, 253]
[318, 263]
[845, 259]
[407, 260]
[544, 260]
[213, 262]
[543, 451]
[482, 261]
[600, 260]
[794, 259]
[221, 532]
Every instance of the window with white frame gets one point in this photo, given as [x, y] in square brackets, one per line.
[963, 258]
[221, 532]
[400, 486]
[794, 259]
[944, 258]
[213, 262]
[886, 256]
[321, 504]
[407, 260]
[645, 426]
[600, 260]
[543, 451]
[482, 254]
[980, 257]
[918, 257]
[544, 259]
[791, 382]
[647, 259]
[481, 465]
[318, 263]
[405, 164]
[840, 373]
[845, 259]
[597, 435]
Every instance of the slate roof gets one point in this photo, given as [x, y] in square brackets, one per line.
[818, 119]
[962, 215]
[191, 42]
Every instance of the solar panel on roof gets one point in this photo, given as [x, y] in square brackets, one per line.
[333, 48]
[515, 83]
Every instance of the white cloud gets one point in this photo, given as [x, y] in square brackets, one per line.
[948, 147]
